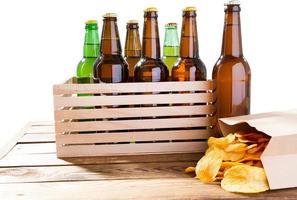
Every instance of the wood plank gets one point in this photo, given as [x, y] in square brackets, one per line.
[133, 136]
[94, 172]
[134, 112]
[37, 148]
[5, 148]
[37, 138]
[167, 188]
[39, 160]
[133, 87]
[72, 101]
[42, 123]
[131, 149]
[134, 124]
[41, 129]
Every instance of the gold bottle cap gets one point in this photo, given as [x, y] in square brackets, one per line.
[188, 9]
[171, 24]
[132, 21]
[151, 9]
[109, 15]
[233, 2]
[91, 22]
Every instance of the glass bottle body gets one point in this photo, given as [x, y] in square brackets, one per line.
[232, 72]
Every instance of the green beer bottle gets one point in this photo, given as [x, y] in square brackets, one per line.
[171, 46]
[91, 52]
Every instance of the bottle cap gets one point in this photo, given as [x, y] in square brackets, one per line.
[132, 21]
[188, 9]
[106, 15]
[151, 9]
[233, 2]
[91, 22]
[171, 24]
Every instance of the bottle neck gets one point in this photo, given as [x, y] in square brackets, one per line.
[151, 41]
[132, 45]
[110, 41]
[171, 43]
[189, 40]
[232, 44]
[91, 44]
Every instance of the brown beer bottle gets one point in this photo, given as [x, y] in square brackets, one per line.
[189, 66]
[150, 68]
[232, 72]
[132, 47]
[110, 67]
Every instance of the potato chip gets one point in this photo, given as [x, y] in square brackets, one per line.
[253, 137]
[237, 147]
[227, 156]
[245, 179]
[230, 156]
[226, 165]
[250, 163]
[229, 164]
[234, 161]
[220, 174]
[190, 169]
[244, 141]
[258, 164]
[260, 147]
[240, 133]
[252, 146]
[249, 157]
[208, 167]
[222, 142]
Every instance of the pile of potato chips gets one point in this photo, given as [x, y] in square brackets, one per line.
[234, 161]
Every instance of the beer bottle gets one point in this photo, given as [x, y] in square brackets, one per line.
[189, 67]
[232, 72]
[170, 46]
[132, 47]
[110, 67]
[150, 68]
[91, 51]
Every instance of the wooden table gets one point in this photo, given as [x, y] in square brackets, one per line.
[31, 170]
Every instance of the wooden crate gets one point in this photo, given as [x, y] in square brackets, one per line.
[133, 118]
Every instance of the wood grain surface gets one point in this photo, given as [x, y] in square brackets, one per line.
[32, 171]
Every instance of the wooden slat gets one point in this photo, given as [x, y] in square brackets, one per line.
[133, 87]
[134, 124]
[60, 101]
[8, 145]
[39, 160]
[165, 188]
[35, 148]
[94, 172]
[40, 129]
[130, 149]
[37, 138]
[134, 112]
[133, 136]
[42, 123]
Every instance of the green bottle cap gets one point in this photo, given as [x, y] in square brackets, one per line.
[91, 22]
[171, 25]
[91, 25]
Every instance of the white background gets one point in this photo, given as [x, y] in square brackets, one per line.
[41, 43]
